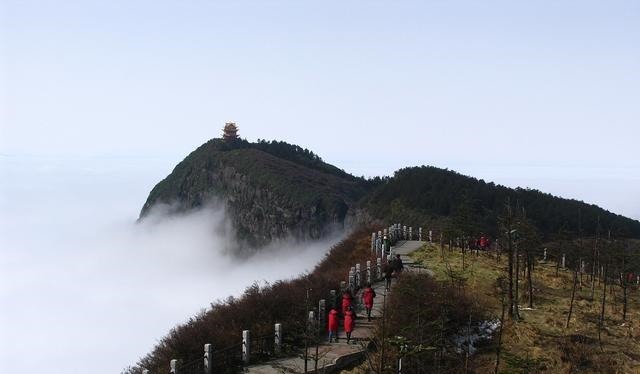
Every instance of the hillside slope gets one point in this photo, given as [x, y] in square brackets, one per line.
[270, 190]
[426, 193]
[274, 190]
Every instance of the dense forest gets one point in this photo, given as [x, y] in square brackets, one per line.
[415, 195]
[426, 193]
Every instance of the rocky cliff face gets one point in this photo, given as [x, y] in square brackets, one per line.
[266, 197]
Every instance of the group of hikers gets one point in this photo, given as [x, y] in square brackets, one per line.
[394, 266]
[348, 313]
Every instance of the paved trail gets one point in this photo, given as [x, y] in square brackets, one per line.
[336, 355]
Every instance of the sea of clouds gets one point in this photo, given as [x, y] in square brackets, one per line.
[84, 288]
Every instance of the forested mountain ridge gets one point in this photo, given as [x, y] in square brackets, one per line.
[273, 190]
[425, 193]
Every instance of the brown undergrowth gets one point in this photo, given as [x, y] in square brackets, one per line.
[259, 308]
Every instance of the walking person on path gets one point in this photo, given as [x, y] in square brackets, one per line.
[367, 298]
[388, 272]
[349, 323]
[398, 266]
[347, 301]
[333, 324]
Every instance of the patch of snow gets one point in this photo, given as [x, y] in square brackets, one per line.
[471, 340]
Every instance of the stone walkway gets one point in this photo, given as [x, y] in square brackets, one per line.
[334, 356]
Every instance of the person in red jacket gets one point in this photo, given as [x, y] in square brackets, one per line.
[483, 242]
[367, 299]
[333, 324]
[349, 323]
[347, 300]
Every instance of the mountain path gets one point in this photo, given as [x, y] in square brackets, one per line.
[334, 356]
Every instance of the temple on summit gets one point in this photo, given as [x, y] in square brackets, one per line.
[230, 131]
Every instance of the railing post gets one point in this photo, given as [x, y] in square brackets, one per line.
[379, 267]
[174, 366]
[545, 254]
[430, 236]
[563, 260]
[246, 346]
[322, 313]
[420, 234]
[410, 233]
[277, 347]
[208, 358]
[369, 280]
[352, 279]
[404, 232]
[373, 242]
[358, 276]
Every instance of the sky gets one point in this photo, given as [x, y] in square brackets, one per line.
[100, 99]
[489, 88]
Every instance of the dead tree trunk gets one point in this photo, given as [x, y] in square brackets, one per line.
[529, 277]
[596, 260]
[573, 296]
[624, 283]
[495, 371]
[510, 272]
[604, 298]
[515, 282]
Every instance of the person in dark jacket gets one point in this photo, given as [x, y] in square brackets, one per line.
[349, 323]
[387, 270]
[367, 299]
[398, 266]
[333, 324]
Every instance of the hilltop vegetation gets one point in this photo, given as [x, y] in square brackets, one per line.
[272, 189]
[426, 193]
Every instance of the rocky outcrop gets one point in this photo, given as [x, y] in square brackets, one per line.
[266, 197]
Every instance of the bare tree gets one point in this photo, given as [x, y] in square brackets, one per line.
[604, 298]
[573, 296]
[508, 228]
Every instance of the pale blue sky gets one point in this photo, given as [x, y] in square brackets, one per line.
[485, 87]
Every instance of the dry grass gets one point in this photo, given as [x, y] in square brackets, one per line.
[539, 342]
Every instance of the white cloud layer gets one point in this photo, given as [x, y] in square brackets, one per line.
[85, 289]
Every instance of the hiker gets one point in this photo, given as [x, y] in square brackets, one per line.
[388, 272]
[349, 323]
[333, 324]
[398, 266]
[347, 300]
[484, 243]
[367, 298]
